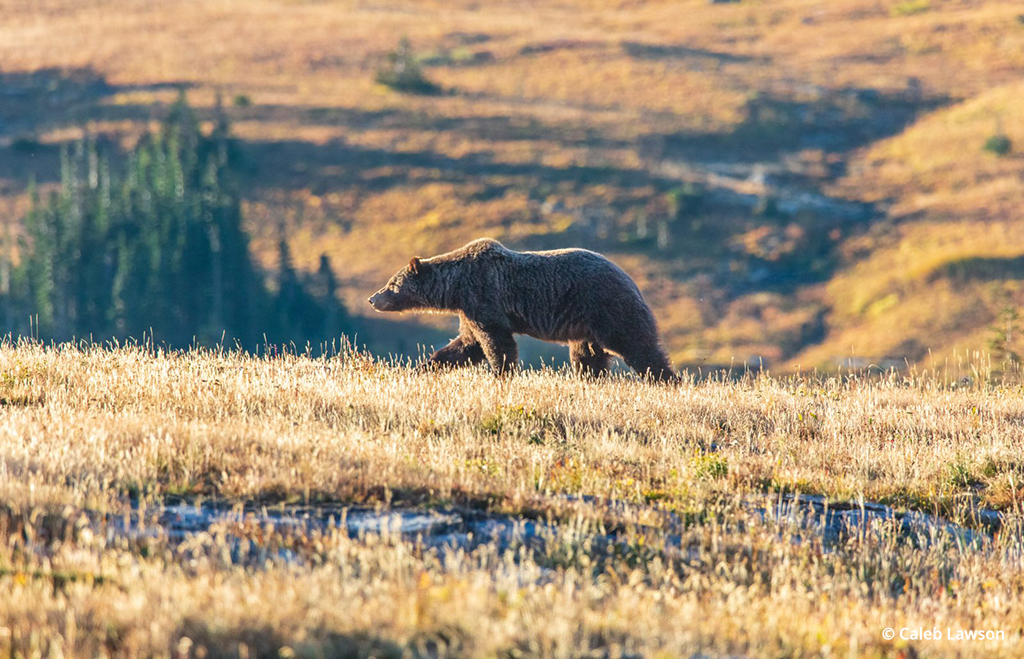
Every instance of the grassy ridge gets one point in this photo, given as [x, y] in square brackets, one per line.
[94, 430]
[295, 429]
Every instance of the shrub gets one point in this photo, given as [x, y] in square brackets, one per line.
[1001, 342]
[403, 73]
[911, 7]
[242, 101]
[709, 466]
[998, 144]
[959, 475]
[684, 200]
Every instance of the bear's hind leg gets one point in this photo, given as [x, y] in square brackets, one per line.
[646, 358]
[462, 351]
[650, 362]
[588, 358]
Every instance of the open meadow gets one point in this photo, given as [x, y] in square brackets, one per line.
[563, 516]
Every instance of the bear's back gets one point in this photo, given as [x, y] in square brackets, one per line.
[574, 264]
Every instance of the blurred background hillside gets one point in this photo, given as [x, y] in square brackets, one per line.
[792, 183]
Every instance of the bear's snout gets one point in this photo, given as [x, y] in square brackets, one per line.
[380, 300]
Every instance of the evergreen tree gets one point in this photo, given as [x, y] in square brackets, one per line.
[38, 266]
[163, 250]
[333, 313]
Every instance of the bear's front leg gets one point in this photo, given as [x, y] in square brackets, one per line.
[461, 351]
[499, 347]
[588, 358]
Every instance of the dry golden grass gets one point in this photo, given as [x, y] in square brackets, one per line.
[89, 431]
[297, 429]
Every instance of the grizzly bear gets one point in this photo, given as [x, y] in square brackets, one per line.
[571, 296]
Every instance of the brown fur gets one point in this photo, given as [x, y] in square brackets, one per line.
[571, 296]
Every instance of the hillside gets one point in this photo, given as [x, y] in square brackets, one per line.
[205, 503]
[791, 183]
[942, 274]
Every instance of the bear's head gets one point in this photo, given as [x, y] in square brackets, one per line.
[406, 290]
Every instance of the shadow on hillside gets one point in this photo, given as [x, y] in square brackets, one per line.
[336, 162]
[980, 268]
[774, 125]
[660, 52]
[35, 103]
[504, 128]
[834, 121]
[51, 98]
[32, 104]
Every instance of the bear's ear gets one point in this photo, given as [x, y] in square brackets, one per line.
[415, 265]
